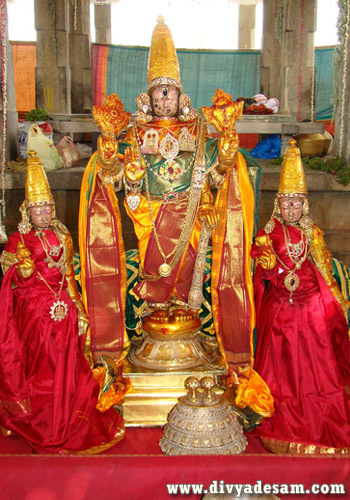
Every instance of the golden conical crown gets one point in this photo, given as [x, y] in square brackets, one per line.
[292, 179]
[163, 65]
[37, 187]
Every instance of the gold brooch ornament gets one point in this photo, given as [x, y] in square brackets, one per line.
[150, 142]
[58, 310]
[202, 423]
[169, 147]
[186, 141]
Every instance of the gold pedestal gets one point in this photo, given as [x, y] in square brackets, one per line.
[171, 342]
[156, 393]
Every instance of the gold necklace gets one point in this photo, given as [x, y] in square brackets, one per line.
[59, 309]
[54, 250]
[195, 189]
[291, 281]
[295, 250]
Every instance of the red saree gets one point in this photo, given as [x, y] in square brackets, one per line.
[303, 354]
[47, 393]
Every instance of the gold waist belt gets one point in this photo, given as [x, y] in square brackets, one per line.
[169, 197]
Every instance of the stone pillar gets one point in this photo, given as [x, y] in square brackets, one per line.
[80, 57]
[103, 24]
[246, 26]
[298, 58]
[11, 152]
[287, 63]
[271, 52]
[342, 125]
[52, 73]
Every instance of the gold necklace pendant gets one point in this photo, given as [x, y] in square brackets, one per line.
[291, 281]
[169, 147]
[164, 270]
[170, 171]
[55, 250]
[58, 310]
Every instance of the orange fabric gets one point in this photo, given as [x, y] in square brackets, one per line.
[253, 392]
[24, 62]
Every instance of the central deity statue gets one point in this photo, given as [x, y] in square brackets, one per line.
[167, 163]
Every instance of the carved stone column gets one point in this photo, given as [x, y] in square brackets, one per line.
[52, 72]
[80, 57]
[11, 152]
[103, 24]
[246, 26]
[287, 61]
[271, 53]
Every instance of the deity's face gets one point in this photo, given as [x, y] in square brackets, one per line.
[165, 100]
[291, 208]
[41, 215]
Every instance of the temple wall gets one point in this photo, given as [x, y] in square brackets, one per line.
[329, 204]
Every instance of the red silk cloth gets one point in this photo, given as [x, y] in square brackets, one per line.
[138, 459]
[168, 225]
[303, 353]
[231, 305]
[105, 263]
[42, 360]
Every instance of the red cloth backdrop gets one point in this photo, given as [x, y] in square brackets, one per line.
[135, 469]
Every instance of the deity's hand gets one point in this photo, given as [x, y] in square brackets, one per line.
[107, 148]
[266, 258]
[25, 266]
[224, 112]
[228, 148]
[209, 216]
[111, 117]
[135, 167]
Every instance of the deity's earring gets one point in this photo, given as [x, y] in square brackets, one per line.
[186, 113]
[276, 208]
[144, 112]
[25, 226]
[306, 207]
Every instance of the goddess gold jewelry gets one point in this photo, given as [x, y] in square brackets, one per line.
[291, 281]
[37, 189]
[59, 309]
[51, 250]
[292, 179]
[25, 226]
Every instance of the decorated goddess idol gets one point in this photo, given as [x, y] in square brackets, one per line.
[303, 349]
[166, 165]
[48, 395]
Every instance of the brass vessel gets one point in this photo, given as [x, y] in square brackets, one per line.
[202, 423]
[310, 144]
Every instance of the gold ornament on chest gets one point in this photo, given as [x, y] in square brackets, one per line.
[150, 142]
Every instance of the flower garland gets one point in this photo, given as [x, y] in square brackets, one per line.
[3, 9]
